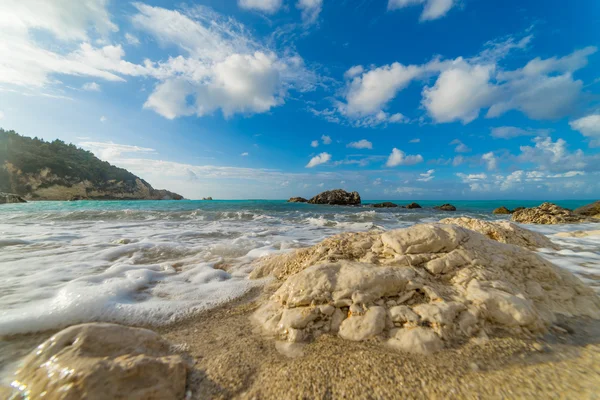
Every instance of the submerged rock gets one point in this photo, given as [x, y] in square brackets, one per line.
[589, 210]
[103, 361]
[336, 197]
[502, 210]
[547, 213]
[504, 231]
[445, 207]
[386, 204]
[297, 200]
[419, 289]
[413, 205]
[8, 198]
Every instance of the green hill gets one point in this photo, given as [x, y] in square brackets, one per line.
[38, 170]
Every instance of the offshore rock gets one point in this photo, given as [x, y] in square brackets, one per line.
[418, 289]
[547, 213]
[8, 198]
[386, 204]
[590, 210]
[337, 197]
[413, 205]
[297, 200]
[445, 207]
[502, 210]
[103, 361]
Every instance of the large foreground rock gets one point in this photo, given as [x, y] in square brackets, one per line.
[103, 361]
[336, 197]
[7, 198]
[590, 210]
[547, 213]
[418, 289]
[503, 231]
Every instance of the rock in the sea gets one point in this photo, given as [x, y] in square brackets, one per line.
[419, 288]
[547, 213]
[386, 204]
[445, 207]
[297, 200]
[413, 205]
[336, 197]
[78, 198]
[7, 198]
[502, 210]
[103, 361]
[207, 198]
[590, 210]
[504, 231]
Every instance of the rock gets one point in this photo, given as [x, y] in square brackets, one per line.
[413, 205]
[78, 198]
[438, 283]
[8, 198]
[336, 197]
[297, 200]
[445, 207]
[386, 204]
[590, 210]
[518, 209]
[207, 198]
[547, 213]
[579, 234]
[502, 210]
[504, 231]
[103, 361]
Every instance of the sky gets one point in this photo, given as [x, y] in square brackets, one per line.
[268, 99]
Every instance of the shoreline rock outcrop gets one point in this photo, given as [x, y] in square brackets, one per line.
[297, 200]
[103, 361]
[418, 289]
[445, 207]
[336, 197]
[590, 210]
[385, 204]
[549, 214]
[413, 206]
[10, 198]
[502, 210]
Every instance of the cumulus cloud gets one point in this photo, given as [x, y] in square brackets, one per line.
[589, 126]
[326, 139]
[314, 143]
[426, 177]
[310, 10]
[460, 146]
[131, 39]
[361, 144]
[398, 157]
[509, 132]
[266, 6]
[91, 86]
[433, 9]
[552, 156]
[490, 160]
[318, 160]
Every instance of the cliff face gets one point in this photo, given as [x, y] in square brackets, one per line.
[39, 170]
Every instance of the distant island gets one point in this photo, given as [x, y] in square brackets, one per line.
[38, 170]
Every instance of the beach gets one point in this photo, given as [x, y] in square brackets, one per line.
[182, 270]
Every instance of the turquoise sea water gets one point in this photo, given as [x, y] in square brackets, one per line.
[153, 262]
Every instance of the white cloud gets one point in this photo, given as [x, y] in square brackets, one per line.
[321, 185]
[266, 6]
[433, 9]
[468, 178]
[103, 119]
[460, 146]
[361, 144]
[1, 115]
[398, 157]
[377, 182]
[314, 143]
[417, 140]
[326, 139]
[245, 154]
[552, 156]
[91, 86]
[589, 126]
[110, 151]
[318, 160]
[490, 160]
[426, 177]
[131, 39]
[458, 160]
[310, 10]
[509, 132]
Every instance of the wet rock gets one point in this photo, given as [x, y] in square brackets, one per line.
[502, 210]
[103, 361]
[547, 213]
[297, 200]
[386, 204]
[590, 210]
[8, 198]
[413, 206]
[337, 197]
[445, 207]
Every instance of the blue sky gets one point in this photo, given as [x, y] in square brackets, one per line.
[398, 99]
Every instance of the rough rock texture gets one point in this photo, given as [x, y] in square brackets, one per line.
[590, 210]
[418, 289]
[445, 207]
[207, 198]
[6, 198]
[297, 200]
[413, 205]
[502, 210]
[103, 361]
[386, 204]
[547, 213]
[503, 231]
[336, 197]
[579, 234]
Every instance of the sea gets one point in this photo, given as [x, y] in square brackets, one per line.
[155, 262]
